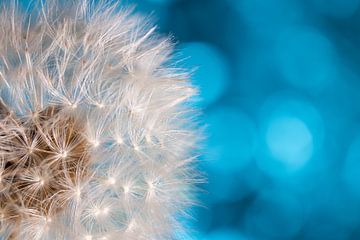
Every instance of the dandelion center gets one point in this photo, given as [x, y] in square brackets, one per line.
[35, 177]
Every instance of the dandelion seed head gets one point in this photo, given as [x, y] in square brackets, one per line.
[92, 115]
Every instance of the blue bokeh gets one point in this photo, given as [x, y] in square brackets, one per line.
[280, 93]
[279, 87]
[210, 70]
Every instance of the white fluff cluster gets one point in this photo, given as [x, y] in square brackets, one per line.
[97, 139]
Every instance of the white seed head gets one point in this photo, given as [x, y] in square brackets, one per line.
[97, 139]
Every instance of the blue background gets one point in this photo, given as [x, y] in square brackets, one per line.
[280, 84]
[280, 90]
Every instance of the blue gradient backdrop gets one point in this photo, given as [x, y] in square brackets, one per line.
[280, 89]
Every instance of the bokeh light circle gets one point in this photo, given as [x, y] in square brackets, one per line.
[306, 58]
[292, 131]
[211, 74]
[289, 140]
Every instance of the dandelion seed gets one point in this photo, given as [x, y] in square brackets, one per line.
[100, 105]
[95, 143]
[111, 180]
[78, 193]
[126, 189]
[31, 149]
[42, 182]
[131, 225]
[88, 237]
[73, 105]
[105, 210]
[63, 154]
[97, 211]
[119, 141]
[136, 147]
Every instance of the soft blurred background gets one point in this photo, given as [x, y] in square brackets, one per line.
[280, 89]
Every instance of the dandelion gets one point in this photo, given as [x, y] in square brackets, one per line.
[97, 140]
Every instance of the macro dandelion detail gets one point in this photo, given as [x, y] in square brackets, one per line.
[97, 139]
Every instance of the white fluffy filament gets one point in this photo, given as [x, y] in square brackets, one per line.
[96, 137]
